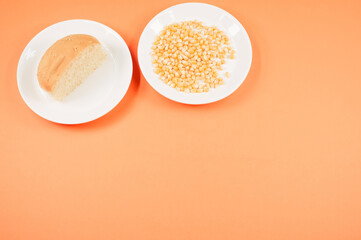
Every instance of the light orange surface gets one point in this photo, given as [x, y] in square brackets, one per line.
[278, 159]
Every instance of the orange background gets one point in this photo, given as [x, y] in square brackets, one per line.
[278, 159]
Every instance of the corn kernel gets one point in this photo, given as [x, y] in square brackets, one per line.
[188, 55]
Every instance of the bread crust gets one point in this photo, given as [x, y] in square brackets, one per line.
[58, 57]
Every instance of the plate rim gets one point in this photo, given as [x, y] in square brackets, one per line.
[85, 120]
[200, 102]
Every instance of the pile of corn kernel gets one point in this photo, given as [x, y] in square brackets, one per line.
[189, 55]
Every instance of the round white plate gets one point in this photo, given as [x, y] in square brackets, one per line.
[98, 94]
[210, 16]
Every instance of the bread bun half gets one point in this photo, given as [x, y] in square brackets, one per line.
[68, 62]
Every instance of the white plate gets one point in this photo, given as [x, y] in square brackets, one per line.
[210, 16]
[99, 93]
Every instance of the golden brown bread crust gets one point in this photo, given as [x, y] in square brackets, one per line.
[57, 58]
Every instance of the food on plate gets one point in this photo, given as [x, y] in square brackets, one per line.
[67, 63]
[189, 56]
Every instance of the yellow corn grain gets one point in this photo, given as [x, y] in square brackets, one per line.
[188, 56]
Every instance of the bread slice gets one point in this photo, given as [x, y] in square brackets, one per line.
[68, 62]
